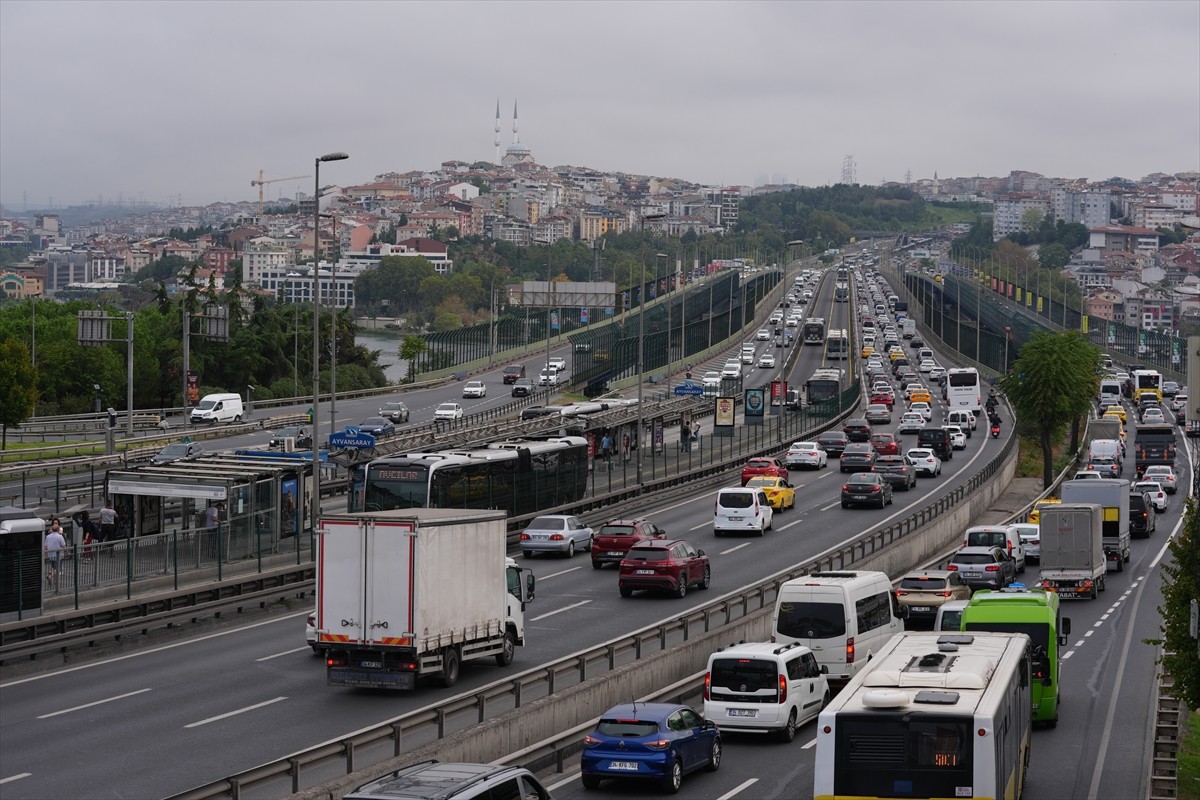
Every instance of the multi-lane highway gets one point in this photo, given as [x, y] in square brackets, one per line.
[205, 707]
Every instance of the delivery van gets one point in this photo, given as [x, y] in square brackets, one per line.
[218, 408]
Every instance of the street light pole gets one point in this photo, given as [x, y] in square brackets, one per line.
[316, 343]
[641, 359]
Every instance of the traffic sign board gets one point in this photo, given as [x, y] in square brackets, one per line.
[689, 390]
[362, 441]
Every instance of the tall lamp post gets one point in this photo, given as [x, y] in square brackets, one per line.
[641, 359]
[316, 343]
[663, 257]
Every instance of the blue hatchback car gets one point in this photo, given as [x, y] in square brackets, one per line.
[660, 742]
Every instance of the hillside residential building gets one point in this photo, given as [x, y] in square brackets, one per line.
[1009, 212]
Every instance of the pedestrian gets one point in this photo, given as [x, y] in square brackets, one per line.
[625, 446]
[88, 529]
[212, 515]
[685, 436]
[108, 525]
[605, 446]
[55, 547]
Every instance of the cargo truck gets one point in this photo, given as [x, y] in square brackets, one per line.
[412, 593]
[1153, 444]
[1112, 495]
[1073, 556]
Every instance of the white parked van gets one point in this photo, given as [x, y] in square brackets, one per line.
[843, 617]
[218, 408]
[741, 509]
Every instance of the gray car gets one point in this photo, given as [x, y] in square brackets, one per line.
[561, 534]
[177, 451]
[984, 567]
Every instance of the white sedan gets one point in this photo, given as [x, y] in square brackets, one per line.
[924, 461]
[911, 423]
[937, 373]
[923, 409]
[1164, 475]
[450, 411]
[475, 389]
[763, 335]
[766, 361]
[805, 454]
[732, 369]
[711, 380]
[926, 366]
[958, 439]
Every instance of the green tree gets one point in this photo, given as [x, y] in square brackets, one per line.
[18, 382]
[1052, 386]
[1053, 256]
[411, 348]
[1181, 588]
[1031, 219]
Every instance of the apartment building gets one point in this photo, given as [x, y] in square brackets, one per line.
[1124, 239]
[1009, 211]
[1089, 207]
[595, 222]
[260, 255]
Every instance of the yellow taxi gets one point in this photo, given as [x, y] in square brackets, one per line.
[868, 351]
[1117, 411]
[1036, 514]
[896, 352]
[920, 395]
[779, 492]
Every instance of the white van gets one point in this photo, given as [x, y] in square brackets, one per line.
[763, 687]
[740, 509]
[1110, 391]
[843, 617]
[218, 408]
[963, 419]
[997, 536]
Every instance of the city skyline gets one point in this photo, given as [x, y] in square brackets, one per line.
[188, 101]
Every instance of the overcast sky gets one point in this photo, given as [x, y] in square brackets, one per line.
[155, 100]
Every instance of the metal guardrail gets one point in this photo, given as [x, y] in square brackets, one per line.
[1169, 715]
[469, 708]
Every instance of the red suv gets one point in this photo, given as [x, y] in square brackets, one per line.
[672, 565]
[615, 537]
[763, 467]
[885, 398]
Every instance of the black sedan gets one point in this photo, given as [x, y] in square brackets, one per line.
[866, 488]
[897, 471]
[833, 443]
[858, 457]
[302, 439]
[857, 430]
[377, 427]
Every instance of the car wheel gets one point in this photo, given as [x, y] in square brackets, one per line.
[788, 732]
[673, 781]
[845, 504]
[571, 549]
[681, 589]
[527, 553]
[626, 591]
[590, 781]
[707, 579]
[714, 756]
[596, 564]
[882, 501]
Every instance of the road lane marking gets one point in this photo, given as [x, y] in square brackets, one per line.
[560, 610]
[789, 525]
[148, 651]
[563, 782]
[234, 713]
[16, 777]
[737, 789]
[701, 525]
[284, 653]
[810, 744]
[560, 572]
[734, 549]
[89, 705]
[831, 505]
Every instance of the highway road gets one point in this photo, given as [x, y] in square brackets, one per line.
[207, 706]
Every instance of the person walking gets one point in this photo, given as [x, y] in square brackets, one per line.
[88, 528]
[625, 446]
[108, 526]
[685, 436]
[605, 446]
[55, 547]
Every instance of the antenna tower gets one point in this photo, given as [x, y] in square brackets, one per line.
[848, 170]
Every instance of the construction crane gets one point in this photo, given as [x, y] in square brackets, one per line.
[260, 183]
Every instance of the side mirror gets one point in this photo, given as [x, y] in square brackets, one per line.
[529, 584]
[824, 670]
[1066, 626]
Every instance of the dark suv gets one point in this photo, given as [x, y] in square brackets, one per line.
[937, 440]
[857, 430]
[514, 372]
[1141, 516]
[615, 537]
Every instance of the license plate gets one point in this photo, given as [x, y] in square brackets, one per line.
[615, 553]
[858, 497]
[742, 712]
[624, 766]
[371, 664]
[541, 537]
[919, 608]
[644, 572]
[972, 575]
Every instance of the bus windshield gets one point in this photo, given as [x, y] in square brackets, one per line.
[389, 487]
[902, 755]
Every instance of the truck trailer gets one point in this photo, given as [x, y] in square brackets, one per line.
[1073, 563]
[1112, 495]
[412, 593]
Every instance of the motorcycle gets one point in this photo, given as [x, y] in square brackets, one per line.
[995, 431]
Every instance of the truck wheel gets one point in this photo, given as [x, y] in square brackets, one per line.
[509, 649]
[450, 665]
[1120, 563]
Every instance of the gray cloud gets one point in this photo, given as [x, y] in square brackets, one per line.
[163, 99]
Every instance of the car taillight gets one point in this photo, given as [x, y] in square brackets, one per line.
[992, 568]
[875, 489]
[901, 593]
[557, 537]
[659, 744]
[952, 567]
[945, 594]
[524, 537]
[590, 741]
[782, 688]
[707, 685]
[850, 650]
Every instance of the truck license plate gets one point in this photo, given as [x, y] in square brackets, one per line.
[371, 664]
[624, 766]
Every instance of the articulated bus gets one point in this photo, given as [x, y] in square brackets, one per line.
[841, 293]
[814, 330]
[826, 384]
[963, 390]
[932, 715]
[521, 477]
[837, 345]
[1036, 614]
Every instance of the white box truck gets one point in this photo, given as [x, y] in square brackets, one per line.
[1073, 562]
[413, 593]
[1112, 495]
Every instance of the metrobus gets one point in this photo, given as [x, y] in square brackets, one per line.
[1147, 383]
[520, 476]
[841, 293]
[814, 330]
[1036, 614]
[931, 715]
[837, 345]
[826, 383]
[963, 390]
[843, 274]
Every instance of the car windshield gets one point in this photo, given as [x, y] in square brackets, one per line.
[173, 450]
[374, 421]
[747, 674]
[617, 530]
[549, 523]
[393, 406]
[769, 483]
[446, 407]
[973, 558]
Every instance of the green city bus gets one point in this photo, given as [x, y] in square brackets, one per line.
[1036, 614]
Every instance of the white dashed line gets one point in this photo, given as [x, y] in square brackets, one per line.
[556, 574]
[737, 789]
[16, 777]
[234, 713]
[831, 505]
[560, 610]
[810, 744]
[89, 705]
[734, 549]
[281, 655]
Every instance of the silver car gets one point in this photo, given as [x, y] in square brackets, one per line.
[1162, 473]
[562, 534]
[1031, 540]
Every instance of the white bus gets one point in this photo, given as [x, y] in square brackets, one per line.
[837, 345]
[963, 390]
[814, 330]
[932, 715]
